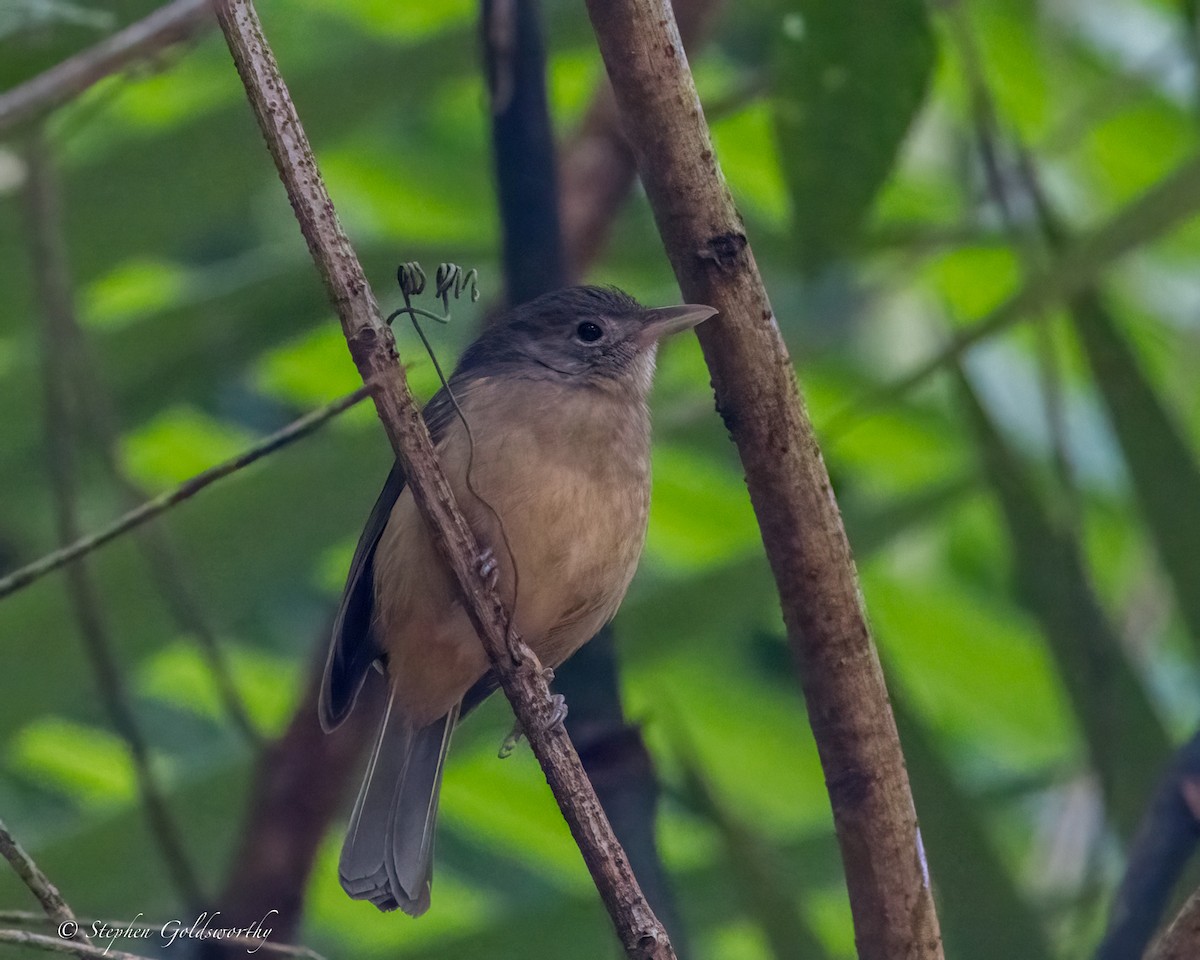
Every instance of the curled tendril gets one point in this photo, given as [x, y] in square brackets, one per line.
[451, 281]
[411, 278]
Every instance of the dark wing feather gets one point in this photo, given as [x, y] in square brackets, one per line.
[353, 648]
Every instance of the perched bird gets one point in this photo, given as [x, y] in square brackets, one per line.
[554, 477]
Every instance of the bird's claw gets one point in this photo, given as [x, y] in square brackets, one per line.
[558, 713]
[487, 568]
[558, 710]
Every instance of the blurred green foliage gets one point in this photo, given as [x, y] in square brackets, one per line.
[1027, 537]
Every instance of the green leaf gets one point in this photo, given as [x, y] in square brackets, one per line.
[1126, 742]
[179, 443]
[847, 88]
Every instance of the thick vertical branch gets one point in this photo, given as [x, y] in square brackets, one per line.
[374, 352]
[51, 278]
[802, 531]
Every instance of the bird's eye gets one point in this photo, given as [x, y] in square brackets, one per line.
[589, 332]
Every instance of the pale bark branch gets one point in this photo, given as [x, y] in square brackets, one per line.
[802, 531]
[147, 511]
[169, 24]
[373, 349]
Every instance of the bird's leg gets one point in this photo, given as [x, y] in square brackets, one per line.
[558, 713]
[558, 709]
[487, 568]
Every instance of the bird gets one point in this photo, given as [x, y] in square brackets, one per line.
[543, 430]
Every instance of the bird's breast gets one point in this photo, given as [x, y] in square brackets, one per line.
[556, 481]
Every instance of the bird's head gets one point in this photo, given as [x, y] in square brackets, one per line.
[583, 335]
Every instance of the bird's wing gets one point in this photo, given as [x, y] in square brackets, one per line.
[353, 648]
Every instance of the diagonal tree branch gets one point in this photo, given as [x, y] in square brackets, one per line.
[61, 406]
[82, 546]
[801, 526]
[38, 883]
[373, 349]
[178, 20]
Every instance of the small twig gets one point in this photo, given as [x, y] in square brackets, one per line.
[40, 941]
[54, 293]
[373, 349]
[38, 883]
[81, 547]
[169, 24]
[255, 944]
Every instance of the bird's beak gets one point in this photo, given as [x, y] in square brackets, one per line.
[664, 321]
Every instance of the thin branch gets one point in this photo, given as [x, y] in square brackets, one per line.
[177, 21]
[54, 293]
[104, 928]
[39, 941]
[801, 526]
[1182, 939]
[81, 547]
[38, 883]
[374, 351]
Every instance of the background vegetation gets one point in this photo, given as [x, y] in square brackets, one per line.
[1026, 523]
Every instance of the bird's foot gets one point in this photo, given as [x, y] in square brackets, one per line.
[487, 568]
[558, 713]
[558, 710]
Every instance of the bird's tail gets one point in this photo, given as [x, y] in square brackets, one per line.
[387, 856]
